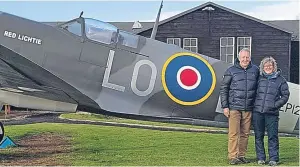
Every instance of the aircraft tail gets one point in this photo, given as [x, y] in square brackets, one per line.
[153, 34]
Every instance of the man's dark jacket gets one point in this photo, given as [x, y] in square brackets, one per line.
[238, 88]
[272, 93]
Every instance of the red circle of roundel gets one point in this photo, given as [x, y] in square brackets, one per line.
[188, 77]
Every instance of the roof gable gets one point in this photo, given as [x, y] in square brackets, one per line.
[221, 7]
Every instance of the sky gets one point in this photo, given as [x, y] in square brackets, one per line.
[129, 11]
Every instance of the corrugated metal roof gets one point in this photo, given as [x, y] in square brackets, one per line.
[291, 25]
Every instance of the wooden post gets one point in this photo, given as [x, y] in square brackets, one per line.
[6, 110]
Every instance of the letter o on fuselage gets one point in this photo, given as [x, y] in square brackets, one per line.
[135, 76]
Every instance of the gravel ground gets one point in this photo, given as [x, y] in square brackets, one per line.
[47, 149]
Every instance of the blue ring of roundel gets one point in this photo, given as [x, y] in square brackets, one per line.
[176, 90]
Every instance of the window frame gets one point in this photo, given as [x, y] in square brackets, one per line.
[173, 39]
[237, 45]
[190, 46]
[233, 48]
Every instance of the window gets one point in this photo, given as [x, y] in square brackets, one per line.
[128, 39]
[227, 49]
[190, 44]
[175, 41]
[73, 27]
[100, 31]
[243, 42]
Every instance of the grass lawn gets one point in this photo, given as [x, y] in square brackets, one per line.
[114, 146]
[99, 117]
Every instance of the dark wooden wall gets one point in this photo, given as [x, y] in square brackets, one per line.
[208, 27]
[295, 62]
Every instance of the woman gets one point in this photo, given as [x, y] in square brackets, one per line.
[272, 93]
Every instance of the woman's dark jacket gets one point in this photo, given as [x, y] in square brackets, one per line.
[238, 87]
[271, 94]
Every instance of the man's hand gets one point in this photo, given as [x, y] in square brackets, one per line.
[226, 112]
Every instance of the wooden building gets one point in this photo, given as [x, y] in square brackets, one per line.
[220, 32]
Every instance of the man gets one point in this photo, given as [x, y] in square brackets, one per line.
[237, 92]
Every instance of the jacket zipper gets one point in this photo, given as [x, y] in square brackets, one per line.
[246, 90]
[265, 95]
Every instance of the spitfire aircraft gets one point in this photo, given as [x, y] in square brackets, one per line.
[86, 64]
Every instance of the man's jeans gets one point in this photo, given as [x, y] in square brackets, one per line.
[260, 122]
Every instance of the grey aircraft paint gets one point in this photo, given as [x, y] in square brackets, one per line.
[102, 69]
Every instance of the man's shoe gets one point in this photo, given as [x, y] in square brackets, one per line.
[235, 161]
[273, 163]
[261, 162]
[244, 160]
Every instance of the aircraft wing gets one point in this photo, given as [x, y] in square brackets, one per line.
[20, 91]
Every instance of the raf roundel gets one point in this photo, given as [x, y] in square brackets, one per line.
[188, 79]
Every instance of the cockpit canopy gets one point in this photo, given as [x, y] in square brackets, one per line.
[101, 32]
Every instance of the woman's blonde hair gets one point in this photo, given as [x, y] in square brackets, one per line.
[264, 61]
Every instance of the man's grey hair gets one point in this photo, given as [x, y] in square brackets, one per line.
[266, 60]
[244, 50]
